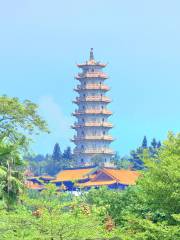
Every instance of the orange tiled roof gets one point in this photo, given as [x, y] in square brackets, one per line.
[126, 177]
[46, 177]
[35, 186]
[98, 183]
[72, 174]
[123, 176]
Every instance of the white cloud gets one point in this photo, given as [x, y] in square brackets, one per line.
[58, 123]
[50, 110]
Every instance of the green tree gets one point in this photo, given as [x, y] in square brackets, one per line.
[144, 142]
[98, 160]
[154, 143]
[125, 163]
[151, 209]
[57, 155]
[19, 118]
[18, 121]
[52, 215]
[161, 182]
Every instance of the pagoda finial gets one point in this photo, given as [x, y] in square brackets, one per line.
[91, 55]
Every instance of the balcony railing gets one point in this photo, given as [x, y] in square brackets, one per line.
[93, 124]
[92, 99]
[91, 63]
[91, 137]
[92, 87]
[92, 75]
[94, 151]
[92, 111]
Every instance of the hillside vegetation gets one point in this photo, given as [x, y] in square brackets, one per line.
[150, 210]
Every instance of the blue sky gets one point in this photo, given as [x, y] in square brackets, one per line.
[41, 42]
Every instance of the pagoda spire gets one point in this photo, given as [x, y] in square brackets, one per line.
[91, 55]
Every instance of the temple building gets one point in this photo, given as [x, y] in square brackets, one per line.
[75, 179]
[92, 127]
[88, 177]
[92, 140]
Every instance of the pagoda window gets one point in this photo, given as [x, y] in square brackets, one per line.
[82, 146]
[104, 132]
[92, 70]
[82, 133]
[103, 119]
[84, 95]
[102, 107]
[82, 160]
[83, 107]
[83, 120]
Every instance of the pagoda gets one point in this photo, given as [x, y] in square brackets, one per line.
[92, 127]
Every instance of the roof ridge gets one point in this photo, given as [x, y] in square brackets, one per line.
[79, 168]
[104, 170]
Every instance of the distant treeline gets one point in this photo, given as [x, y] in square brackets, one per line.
[52, 163]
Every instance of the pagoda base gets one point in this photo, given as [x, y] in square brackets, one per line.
[93, 159]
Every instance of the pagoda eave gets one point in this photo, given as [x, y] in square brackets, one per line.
[105, 89]
[92, 126]
[92, 113]
[94, 152]
[77, 139]
[90, 77]
[85, 65]
[92, 100]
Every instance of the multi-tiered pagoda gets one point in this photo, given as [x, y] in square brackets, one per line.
[92, 139]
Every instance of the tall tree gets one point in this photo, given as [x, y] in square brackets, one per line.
[18, 121]
[159, 144]
[67, 153]
[57, 155]
[161, 183]
[154, 143]
[144, 142]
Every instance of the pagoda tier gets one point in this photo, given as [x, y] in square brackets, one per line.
[94, 151]
[92, 99]
[92, 111]
[93, 137]
[92, 87]
[91, 64]
[99, 75]
[92, 124]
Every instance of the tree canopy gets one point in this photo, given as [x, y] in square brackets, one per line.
[18, 121]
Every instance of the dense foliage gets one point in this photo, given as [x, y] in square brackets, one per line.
[51, 164]
[135, 159]
[18, 121]
[150, 210]
[52, 215]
